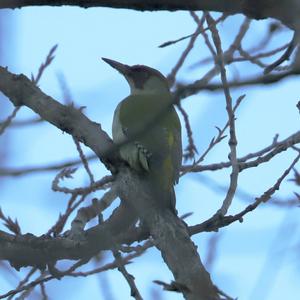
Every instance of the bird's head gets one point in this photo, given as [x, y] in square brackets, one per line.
[141, 79]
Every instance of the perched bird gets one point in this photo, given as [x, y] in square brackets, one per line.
[149, 122]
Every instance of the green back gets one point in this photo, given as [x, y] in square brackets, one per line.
[152, 125]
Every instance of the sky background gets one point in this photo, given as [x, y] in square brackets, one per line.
[252, 261]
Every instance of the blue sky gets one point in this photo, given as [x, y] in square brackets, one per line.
[84, 36]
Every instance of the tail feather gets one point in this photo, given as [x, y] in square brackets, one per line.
[167, 199]
[173, 200]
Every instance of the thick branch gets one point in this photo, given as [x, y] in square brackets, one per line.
[286, 11]
[21, 91]
[229, 6]
[29, 250]
[170, 236]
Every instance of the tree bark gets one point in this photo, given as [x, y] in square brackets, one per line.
[285, 11]
[170, 236]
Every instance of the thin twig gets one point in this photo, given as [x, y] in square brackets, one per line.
[217, 221]
[171, 77]
[84, 160]
[41, 70]
[52, 167]
[13, 226]
[264, 155]
[9, 119]
[68, 173]
[43, 66]
[231, 118]
[169, 43]
[70, 272]
[183, 91]
[192, 168]
[85, 214]
[235, 45]
[286, 55]
[125, 260]
[57, 228]
[245, 56]
[191, 149]
[134, 292]
[24, 280]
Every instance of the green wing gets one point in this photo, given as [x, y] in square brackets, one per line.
[176, 149]
[154, 142]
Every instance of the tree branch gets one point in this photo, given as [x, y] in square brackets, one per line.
[229, 6]
[261, 156]
[184, 90]
[21, 91]
[29, 250]
[219, 221]
[170, 234]
[286, 11]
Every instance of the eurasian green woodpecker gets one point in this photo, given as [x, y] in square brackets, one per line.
[149, 121]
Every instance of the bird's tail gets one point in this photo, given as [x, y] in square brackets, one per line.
[173, 200]
[163, 192]
[167, 199]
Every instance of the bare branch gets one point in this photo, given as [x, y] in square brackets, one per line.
[13, 226]
[184, 54]
[129, 278]
[8, 120]
[24, 281]
[51, 167]
[191, 149]
[286, 55]
[84, 161]
[184, 91]
[21, 91]
[169, 43]
[272, 150]
[218, 221]
[85, 214]
[221, 135]
[68, 173]
[231, 118]
[43, 66]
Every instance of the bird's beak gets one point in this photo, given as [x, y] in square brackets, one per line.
[122, 68]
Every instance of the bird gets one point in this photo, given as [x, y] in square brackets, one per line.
[148, 121]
